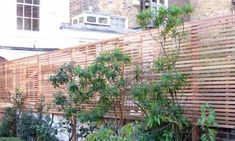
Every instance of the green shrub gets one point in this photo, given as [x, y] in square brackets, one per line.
[104, 79]
[10, 139]
[28, 126]
[108, 134]
[206, 121]
[34, 128]
[26, 130]
[8, 124]
[160, 99]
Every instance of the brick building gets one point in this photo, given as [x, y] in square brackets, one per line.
[211, 8]
[129, 8]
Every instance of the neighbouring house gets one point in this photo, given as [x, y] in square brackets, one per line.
[31, 27]
[212, 8]
[129, 8]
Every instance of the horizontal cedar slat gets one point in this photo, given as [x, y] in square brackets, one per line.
[207, 56]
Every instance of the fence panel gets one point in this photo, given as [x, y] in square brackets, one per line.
[207, 57]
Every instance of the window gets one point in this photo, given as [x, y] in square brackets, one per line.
[75, 21]
[28, 15]
[162, 2]
[91, 19]
[103, 20]
[81, 20]
[118, 22]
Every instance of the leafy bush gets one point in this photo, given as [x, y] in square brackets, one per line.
[160, 99]
[107, 134]
[10, 139]
[206, 121]
[100, 83]
[84, 131]
[164, 119]
[8, 124]
[32, 128]
[28, 126]
[8, 127]
[18, 100]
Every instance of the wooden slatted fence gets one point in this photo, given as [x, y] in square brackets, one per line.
[207, 56]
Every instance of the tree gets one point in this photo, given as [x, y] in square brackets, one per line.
[164, 119]
[170, 24]
[103, 80]
[159, 99]
[66, 75]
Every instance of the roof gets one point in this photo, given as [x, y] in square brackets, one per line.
[14, 52]
[96, 28]
[27, 48]
[2, 59]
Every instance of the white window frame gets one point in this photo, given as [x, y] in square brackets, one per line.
[85, 21]
[120, 18]
[158, 4]
[23, 17]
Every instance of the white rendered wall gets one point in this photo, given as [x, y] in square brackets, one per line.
[52, 14]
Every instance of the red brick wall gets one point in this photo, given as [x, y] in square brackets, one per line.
[79, 6]
[210, 8]
[117, 7]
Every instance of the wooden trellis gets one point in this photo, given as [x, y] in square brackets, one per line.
[207, 56]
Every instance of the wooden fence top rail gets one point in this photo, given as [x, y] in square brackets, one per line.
[207, 56]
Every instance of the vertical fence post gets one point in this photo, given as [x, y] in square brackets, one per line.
[39, 78]
[194, 43]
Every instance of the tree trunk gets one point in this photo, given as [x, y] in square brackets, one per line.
[195, 134]
[74, 128]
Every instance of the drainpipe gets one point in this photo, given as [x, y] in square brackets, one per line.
[233, 7]
[142, 5]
